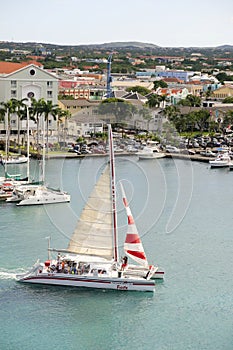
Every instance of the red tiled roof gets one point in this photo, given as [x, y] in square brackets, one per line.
[194, 82]
[176, 91]
[67, 84]
[172, 80]
[10, 67]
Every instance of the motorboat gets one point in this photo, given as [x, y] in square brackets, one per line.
[14, 160]
[150, 153]
[91, 259]
[222, 160]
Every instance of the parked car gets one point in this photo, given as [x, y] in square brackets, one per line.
[188, 151]
[172, 149]
[207, 153]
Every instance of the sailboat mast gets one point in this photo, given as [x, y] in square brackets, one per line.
[113, 190]
[43, 156]
[7, 139]
[27, 143]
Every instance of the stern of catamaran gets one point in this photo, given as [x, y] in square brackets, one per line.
[32, 272]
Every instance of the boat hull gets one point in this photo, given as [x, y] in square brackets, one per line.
[35, 195]
[44, 200]
[154, 156]
[119, 284]
[218, 164]
[158, 275]
[13, 161]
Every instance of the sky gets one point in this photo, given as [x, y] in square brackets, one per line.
[179, 23]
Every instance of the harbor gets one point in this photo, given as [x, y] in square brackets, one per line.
[174, 211]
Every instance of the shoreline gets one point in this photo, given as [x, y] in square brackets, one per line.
[195, 157]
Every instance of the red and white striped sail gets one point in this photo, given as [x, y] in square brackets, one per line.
[133, 246]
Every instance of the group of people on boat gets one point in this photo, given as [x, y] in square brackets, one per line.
[61, 265]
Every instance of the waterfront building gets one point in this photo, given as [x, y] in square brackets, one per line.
[23, 80]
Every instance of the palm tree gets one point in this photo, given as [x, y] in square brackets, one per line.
[35, 112]
[7, 109]
[48, 109]
[163, 99]
[61, 114]
[153, 101]
[20, 106]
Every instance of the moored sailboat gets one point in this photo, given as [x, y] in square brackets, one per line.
[36, 193]
[91, 259]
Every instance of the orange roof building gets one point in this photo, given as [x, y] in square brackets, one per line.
[10, 67]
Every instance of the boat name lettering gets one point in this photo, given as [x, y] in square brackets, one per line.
[122, 287]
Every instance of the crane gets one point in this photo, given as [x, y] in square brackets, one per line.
[109, 78]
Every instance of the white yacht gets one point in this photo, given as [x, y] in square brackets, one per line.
[222, 159]
[150, 153]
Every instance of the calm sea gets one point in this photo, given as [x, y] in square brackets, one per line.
[184, 214]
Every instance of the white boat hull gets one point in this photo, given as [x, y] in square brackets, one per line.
[63, 198]
[222, 160]
[19, 160]
[214, 164]
[158, 275]
[35, 195]
[136, 270]
[95, 282]
[149, 156]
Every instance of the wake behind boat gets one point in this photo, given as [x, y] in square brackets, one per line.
[92, 258]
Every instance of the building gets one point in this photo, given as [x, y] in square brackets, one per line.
[23, 80]
[223, 92]
[74, 106]
[181, 75]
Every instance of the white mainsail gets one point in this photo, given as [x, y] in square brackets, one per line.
[93, 234]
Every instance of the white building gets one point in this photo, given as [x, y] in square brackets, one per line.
[19, 81]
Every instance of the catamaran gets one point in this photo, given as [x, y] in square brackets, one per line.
[91, 259]
[36, 193]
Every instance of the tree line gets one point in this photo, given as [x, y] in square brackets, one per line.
[38, 111]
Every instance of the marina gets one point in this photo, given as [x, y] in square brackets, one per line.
[191, 244]
[116, 166]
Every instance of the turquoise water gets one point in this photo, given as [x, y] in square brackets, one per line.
[183, 211]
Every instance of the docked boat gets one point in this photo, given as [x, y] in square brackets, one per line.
[14, 160]
[150, 153]
[222, 160]
[4, 194]
[37, 194]
[91, 259]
